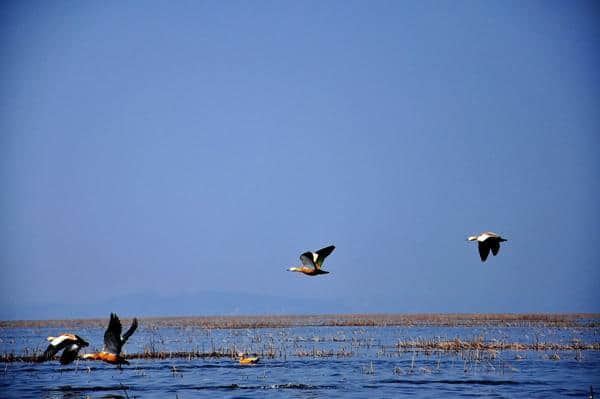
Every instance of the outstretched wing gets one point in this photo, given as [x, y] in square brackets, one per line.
[69, 354]
[495, 246]
[112, 336]
[484, 250]
[81, 342]
[129, 332]
[308, 259]
[50, 352]
[58, 344]
[322, 254]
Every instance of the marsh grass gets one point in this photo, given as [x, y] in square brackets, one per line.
[357, 320]
[281, 343]
[476, 350]
[479, 344]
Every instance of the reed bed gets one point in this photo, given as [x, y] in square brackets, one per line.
[158, 355]
[426, 346]
[324, 353]
[459, 345]
[357, 320]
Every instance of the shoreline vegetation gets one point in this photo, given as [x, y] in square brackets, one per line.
[335, 320]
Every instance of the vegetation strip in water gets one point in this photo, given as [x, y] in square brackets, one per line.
[339, 320]
[427, 345]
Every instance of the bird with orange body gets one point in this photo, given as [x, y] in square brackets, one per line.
[113, 342]
[313, 261]
[244, 359]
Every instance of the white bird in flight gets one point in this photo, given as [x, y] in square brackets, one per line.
[487, 240]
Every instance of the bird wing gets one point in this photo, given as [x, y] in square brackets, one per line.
[484, 250]
[57, 344]
[322, 254]
[69, 354]
[130, 332]
[308, 259]
[495, 246]
[112, 336]
[81, 342]
[50, 352]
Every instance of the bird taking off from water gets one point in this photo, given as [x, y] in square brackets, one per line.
[71, 344]
[113, 342]
[487, 241]
[313, 261]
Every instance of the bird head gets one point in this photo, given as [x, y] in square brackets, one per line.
[472, 238]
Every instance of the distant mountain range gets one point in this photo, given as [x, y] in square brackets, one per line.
[236, 304]
[200, 304]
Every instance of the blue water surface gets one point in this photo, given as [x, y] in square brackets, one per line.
[309, 362]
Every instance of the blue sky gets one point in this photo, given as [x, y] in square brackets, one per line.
[161, 148]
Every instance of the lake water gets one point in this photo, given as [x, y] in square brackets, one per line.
[310, 362]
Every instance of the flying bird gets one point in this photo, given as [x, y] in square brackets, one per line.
[313, 261]
[487, 240]
[113, 342]
[71, 344]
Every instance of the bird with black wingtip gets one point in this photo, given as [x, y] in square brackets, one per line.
[71, 343]
[312, 262]
[487, 241]
[113, 342]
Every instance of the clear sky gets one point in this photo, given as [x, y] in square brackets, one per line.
[171, 148]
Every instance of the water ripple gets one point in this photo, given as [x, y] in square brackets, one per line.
[460, 382]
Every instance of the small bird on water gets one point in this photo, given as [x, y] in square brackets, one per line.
[487, 240]
[71, 344]
[248, 359]
[113, 342]
[313, 261]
